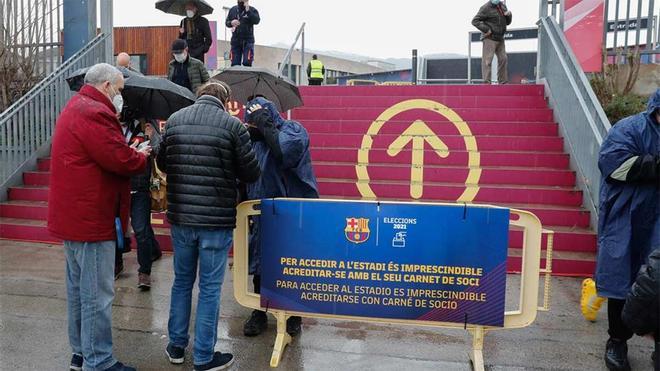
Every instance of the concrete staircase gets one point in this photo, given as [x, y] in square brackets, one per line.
[503, 139]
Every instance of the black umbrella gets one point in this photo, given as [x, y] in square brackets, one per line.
[154, 97]
[77, 79]
[178, 7]
[248, 82]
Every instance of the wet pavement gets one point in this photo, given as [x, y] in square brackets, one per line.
[33, 328]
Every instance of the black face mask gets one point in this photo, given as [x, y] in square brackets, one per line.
[241, 5]
[255, 134]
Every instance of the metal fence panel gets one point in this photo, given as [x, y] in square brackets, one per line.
[27, 126]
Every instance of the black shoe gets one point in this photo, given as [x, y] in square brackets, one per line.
[220, 361]
[120, 367]
[293, 325]
[76, 362]
[256, 324]
[156, 256]
[616, 355]
[175, 354]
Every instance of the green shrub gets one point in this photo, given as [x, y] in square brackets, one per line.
[622, 106]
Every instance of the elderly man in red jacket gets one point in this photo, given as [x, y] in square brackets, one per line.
[91, 166]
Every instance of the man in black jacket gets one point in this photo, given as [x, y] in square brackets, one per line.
[642, 308]
[492, 19]
[205, 152]
[241, 19]
[196, 31]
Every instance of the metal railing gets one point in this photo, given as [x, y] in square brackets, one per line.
[581, 118]
[26, 127]
[286, 61]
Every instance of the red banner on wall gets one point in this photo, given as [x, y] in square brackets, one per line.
[583, 27]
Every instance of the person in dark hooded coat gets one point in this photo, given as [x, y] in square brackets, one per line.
[629, 221]
[282, 149]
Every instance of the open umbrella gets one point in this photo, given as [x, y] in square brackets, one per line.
[77, 79]
[178, 7]
[248, 82]
[154, 97]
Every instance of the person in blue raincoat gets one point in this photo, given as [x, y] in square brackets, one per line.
[629, 220]
[282, 149]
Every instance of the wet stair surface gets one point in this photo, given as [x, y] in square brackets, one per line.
[493, 145]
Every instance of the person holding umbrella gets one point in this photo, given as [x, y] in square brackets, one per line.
[241, 19]
[282, 149]
[196, 31]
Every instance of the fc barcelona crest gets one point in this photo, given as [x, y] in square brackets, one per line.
[357, 230]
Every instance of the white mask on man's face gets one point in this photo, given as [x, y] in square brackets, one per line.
[190, 13]
[180, 57]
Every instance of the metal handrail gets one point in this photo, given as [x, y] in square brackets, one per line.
[582, 121]
[26, 127]
[287, 57]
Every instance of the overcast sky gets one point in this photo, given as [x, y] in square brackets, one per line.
[375, 28]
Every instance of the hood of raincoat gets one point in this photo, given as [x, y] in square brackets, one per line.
[268, 105]
[654, 105]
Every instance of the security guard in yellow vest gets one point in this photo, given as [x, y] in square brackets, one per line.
[315, 71]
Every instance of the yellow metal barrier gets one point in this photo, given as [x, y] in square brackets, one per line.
[522, 317]
[357, 82]
[397, 83]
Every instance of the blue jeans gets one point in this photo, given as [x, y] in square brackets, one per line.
[90, 291]
[147, 245]
[209, 249]
[242, 53]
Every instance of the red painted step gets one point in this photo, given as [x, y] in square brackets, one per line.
[467, 114]
[548, 160]
[523, 129]
[451, 192]
[581, 240]
[25, 230]
[43, 164]
[35, 210]
[36, 178]
[516, 176]
[28, 193]
[483, 102]
[484, 143]
[427, 90]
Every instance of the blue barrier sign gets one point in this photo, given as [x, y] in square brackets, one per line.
[440, 263]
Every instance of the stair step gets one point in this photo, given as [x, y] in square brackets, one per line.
[466, 114]
[37, 210]
[43, 164]
[563, 263]
[552, 160]
[484, 102]
[28, 193]
[428, 90]
[452, 192]
[484, 143]
[522, 129]
[36, 178]
[389, 172]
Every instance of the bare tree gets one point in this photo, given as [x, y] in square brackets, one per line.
[29, 36]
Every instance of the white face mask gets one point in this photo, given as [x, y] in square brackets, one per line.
[180, 57]
[118, 101]
[190, 13]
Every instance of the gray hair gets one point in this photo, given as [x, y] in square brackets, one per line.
[102, 72]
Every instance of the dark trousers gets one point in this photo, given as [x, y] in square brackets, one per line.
[242, 53]
[315, 81]
[147, 245]
[256, 281]
[617, 329]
